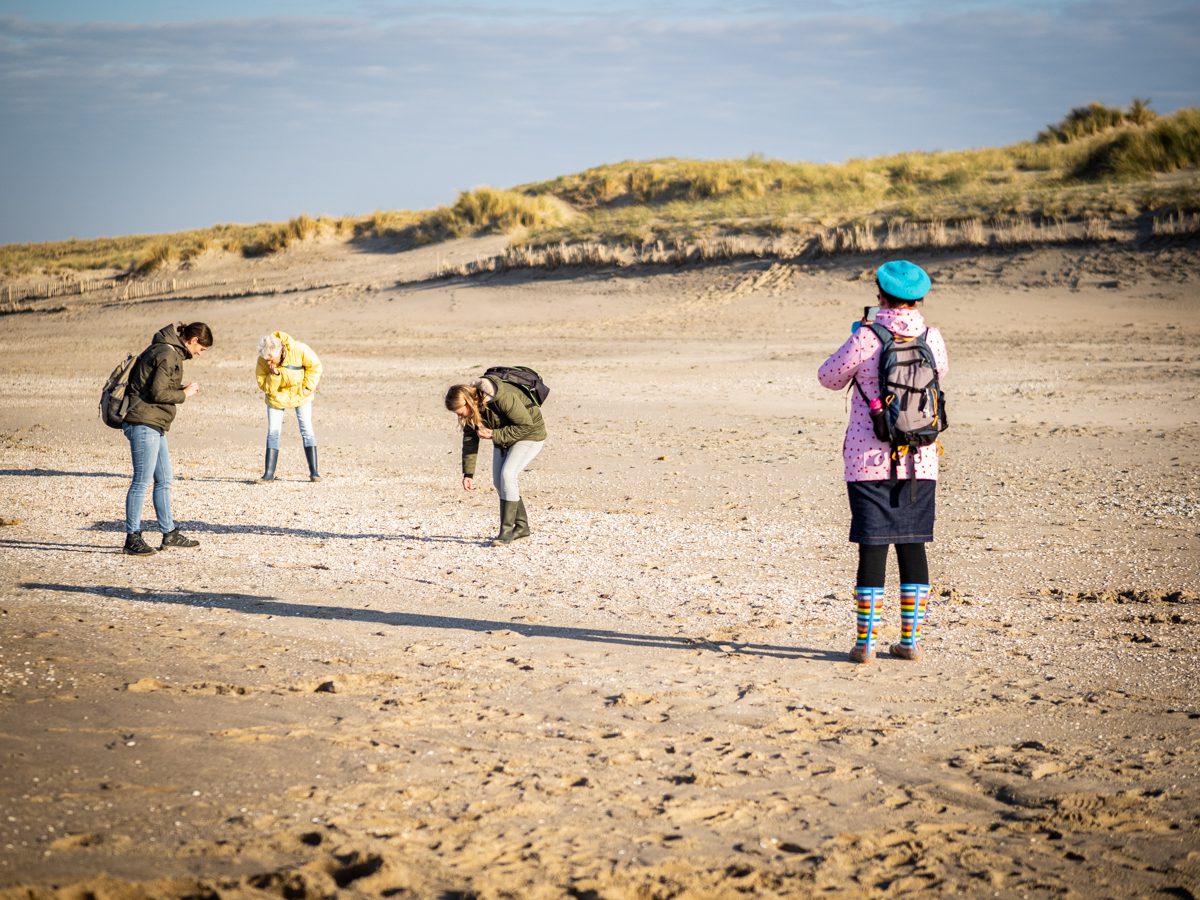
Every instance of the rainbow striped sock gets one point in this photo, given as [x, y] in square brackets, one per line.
[868, 599]
[913, 598]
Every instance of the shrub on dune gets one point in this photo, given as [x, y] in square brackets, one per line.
[1169, 145]
[156, 256]
[1081, 122]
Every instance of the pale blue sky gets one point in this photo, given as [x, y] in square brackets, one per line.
[160, 115]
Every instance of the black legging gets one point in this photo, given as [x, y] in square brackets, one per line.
[872, 564]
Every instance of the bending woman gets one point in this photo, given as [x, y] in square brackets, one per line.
[288, 373]
[502, 412]
[155, 389]
[885, 509]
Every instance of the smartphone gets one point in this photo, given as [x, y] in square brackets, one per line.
[868, 316]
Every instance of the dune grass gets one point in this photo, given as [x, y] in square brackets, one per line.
[1167, 146]
[476, 211]
[1096, 118]
[1108, 172]
[1098, 164]
[142, 254]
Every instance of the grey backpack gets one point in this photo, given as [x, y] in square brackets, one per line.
[114, 398]
[914, 407]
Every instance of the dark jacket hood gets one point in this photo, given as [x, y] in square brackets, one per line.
[169, 334]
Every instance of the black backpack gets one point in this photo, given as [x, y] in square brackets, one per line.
[114, 398]
[914, 407]
[523, 377]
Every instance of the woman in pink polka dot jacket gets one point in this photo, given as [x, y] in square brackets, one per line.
[885, 509]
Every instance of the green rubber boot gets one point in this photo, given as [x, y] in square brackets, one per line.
[521, 524]
[508, 518]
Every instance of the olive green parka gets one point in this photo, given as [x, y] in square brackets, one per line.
[512, 415]
[156, 382]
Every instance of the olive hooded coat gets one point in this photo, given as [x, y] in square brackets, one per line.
[156, 381]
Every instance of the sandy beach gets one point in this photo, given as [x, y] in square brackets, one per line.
[345, 692]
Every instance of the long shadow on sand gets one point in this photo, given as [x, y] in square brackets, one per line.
[56, 473]
[210, 528]
[254, 604]
[56, 546]
[573, 274]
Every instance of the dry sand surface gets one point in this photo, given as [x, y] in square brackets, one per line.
[344, 691]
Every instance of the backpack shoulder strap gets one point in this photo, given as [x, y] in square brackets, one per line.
[885, 337]
[861, 392]
[882, 332]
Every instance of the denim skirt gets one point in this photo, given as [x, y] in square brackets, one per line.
[883, 512]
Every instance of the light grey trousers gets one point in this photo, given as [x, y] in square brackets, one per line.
[509, 463]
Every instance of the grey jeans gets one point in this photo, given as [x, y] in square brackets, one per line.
[510, 462]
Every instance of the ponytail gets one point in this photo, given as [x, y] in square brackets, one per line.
[197, 330]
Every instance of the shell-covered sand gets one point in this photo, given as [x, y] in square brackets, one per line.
[345, 691]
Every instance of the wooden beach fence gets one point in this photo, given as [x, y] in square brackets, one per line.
[111, 291]
[116, 290]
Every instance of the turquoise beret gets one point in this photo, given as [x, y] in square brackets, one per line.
[903, 280]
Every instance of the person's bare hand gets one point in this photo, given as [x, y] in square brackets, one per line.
[468, 483]
[191, 388]
[484, 432]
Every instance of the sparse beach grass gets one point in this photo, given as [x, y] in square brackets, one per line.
[1099, 165]
[1117, 173]
[144, 253]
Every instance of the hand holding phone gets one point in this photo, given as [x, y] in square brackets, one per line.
[867, 317]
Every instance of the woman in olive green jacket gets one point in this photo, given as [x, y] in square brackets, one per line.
[495, 410]
[156, 388]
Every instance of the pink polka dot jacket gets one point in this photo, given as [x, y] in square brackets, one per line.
[866, 457]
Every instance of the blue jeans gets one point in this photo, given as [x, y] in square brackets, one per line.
[150, 459]
[303, 419]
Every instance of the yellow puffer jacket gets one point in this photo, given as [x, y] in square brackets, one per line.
[295, 381]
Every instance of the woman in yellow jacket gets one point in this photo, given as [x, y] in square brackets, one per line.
[288, 373]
